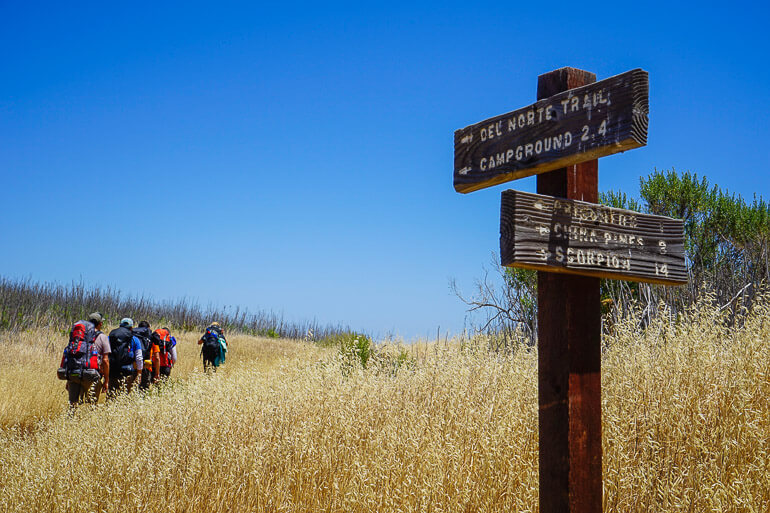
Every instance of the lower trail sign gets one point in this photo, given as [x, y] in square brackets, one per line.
[572, 242]
[545, 233]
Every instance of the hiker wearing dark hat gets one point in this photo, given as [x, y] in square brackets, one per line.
[126, 360]
[144, 334]
[85, 363]
[214, 347]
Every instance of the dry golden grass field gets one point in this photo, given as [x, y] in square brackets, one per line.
[285, 426]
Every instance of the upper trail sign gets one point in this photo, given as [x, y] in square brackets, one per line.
[574, 126]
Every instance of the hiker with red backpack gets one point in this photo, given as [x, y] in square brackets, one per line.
[126, 360]
[86, 361]
[213, 347]
[163, 353]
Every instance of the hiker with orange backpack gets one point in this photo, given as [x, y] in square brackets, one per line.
[86, 361]
[163, 353]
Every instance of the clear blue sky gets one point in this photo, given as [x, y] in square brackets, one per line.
[298, 157]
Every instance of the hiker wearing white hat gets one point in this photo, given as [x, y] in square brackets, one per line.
[126, 361]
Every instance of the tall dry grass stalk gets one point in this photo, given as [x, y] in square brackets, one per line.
[686, 428]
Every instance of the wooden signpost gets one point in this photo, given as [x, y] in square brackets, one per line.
[571, 241]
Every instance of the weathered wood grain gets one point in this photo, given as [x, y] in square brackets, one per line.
[574, 126]
[558, 235]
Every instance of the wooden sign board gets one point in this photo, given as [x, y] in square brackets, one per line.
[574, 126]
[546, 233]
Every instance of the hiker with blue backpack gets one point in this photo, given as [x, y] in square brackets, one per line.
[86, 361]
[213, 347]
[126, 361]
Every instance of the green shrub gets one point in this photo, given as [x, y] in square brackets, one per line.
[391, 359]
[356, 348]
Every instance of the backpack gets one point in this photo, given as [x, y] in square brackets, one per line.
[121, 357]
[145, 338]
[80, 361]
[162, 338]
[211, 346]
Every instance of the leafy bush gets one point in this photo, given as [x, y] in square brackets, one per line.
[355, 349]
[727, 246]
[390, 359]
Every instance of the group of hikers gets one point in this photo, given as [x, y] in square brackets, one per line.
[93, 362]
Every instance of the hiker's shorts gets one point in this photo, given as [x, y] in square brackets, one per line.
[120, 384]
[146, 379]
[88, 394]
[209, 365]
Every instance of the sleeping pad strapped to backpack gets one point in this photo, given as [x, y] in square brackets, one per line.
[121, 357]
[80, 361]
